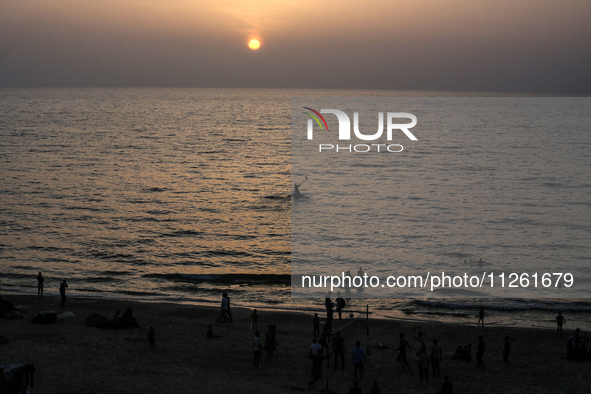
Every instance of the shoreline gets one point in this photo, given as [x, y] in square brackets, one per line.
[71, 357]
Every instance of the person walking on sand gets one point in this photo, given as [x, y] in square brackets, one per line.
[152, 338]
[358, 356]
[40, 280]
[63, 292]
[402, 347]
[480, 317]
[480, 351]
[436, 357]
[560, 320]
[225, 309]
[258, 347]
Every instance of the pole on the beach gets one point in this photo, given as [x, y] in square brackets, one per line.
[367, 326]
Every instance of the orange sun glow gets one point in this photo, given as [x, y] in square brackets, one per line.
[254, 44]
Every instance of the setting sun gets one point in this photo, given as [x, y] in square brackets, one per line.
[254, 44]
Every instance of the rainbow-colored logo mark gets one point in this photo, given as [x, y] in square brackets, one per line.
[315, 116]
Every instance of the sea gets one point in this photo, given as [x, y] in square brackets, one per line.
[180, 194]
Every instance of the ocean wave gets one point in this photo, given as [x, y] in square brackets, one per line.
[510, 304]
[254, 279]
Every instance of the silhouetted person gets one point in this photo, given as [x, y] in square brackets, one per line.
[316, 326]
[40, 280]
[329, 317]
[560, 320]
[446, 386]
[358, 356]
[436, 357]
[480, 317]
[375, 389]
[323, 341]
[315, 348]
[355, 389]
[127, 319]
[270, 343]
[402, 347]
[423, 365]
[316, 368]
[63, 292]
[225, 309]
[258, 347]
[507, 351]
[338, 347]
[577, 339]
[254, 320]
[422, 343]
[480, 351]
[340, 305]
[152, 337]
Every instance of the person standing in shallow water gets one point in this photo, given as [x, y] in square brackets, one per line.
[63, 292]
[481, 317]
[40, 280]
[225, 309]
[560, 320]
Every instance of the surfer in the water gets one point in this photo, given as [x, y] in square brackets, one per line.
[296, 187]
[296, 190]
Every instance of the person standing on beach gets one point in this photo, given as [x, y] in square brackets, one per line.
[340, 305]
[63, 292]
[480, 317]
[338, 347]
[329, 317]
[358, 359]
[254, 320]
[507, 351]
[402, 347]
[480, 351]
[40, 280]
[560, 320]
[436, 357]
[257, 349]
[152, 337]
[225, 312]
[424, 365]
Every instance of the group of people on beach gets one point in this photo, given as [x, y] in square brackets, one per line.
[41, 284]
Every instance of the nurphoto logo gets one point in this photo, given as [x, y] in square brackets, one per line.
[392, 125]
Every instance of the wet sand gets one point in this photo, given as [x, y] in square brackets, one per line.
[71, 357]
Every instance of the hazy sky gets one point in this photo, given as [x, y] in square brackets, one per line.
[498, 45]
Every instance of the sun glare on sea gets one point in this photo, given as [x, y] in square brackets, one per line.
[254, 44]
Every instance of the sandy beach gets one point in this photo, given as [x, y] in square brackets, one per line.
[71, 357]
